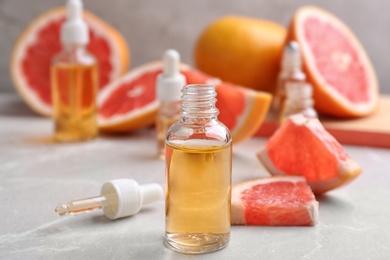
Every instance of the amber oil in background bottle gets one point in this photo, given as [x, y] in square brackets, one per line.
[169, 85]
[74, 79]
[168, 115]
[198, 176]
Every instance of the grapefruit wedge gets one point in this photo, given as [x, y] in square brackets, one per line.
[36, 46]
[301, 146]
[241, 109]
[274, 201]
[129, 102]
[344, 81]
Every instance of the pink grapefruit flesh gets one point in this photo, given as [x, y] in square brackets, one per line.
[302, 146]
[274, 201]
[40, 42]
[129, 102]
[344, 81]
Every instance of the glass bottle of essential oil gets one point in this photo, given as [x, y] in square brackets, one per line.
[298, 100]
[169, 84]
[291, 71]
[74, 79]
[198, 176]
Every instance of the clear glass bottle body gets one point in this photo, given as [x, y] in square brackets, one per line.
[286, 76]
[74, 80]
[295, 108]
[168, 114]
[198, 176]
[298, 100]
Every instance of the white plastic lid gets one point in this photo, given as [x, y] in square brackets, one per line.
[126, 197]
[291, 56]
[74, 29]
[171, 81]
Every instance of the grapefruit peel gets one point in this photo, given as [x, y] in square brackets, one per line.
[241, 50]
[252, 115]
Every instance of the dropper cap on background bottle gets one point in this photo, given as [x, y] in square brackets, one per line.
[170, 81]
[74, 30]
[291, 57]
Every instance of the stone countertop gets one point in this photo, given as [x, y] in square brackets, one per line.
[37, 174]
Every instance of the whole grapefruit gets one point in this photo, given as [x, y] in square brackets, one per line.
[343, 78]
[241, 50]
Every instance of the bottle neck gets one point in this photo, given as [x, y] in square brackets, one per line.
[299, 94]
[199, 102]
[74, 48]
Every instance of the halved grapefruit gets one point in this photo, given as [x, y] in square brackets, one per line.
[301, 146]
[34, 49]
[274, 201]
[130, 102]
[344, 81]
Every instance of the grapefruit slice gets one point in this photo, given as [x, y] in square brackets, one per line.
[302, 146]
[344, 81]
[130, 102]
[33, 51]
[241, 109]
[274, 201]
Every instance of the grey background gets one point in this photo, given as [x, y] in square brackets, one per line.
[151, 26]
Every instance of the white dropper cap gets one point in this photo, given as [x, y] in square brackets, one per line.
[74, 29]
[129, 197]
[291, 56]
[171, 81]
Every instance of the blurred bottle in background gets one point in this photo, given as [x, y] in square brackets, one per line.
[169, 84]
[291, 71]
[74, 79]
[293, 94]
[298, 100]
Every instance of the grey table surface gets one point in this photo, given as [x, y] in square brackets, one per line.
[36, 175]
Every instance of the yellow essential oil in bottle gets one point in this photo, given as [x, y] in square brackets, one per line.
[74, 80]
[74, 107]
[198, 176]
[168, 88]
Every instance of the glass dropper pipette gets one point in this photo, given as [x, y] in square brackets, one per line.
[119, 198]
